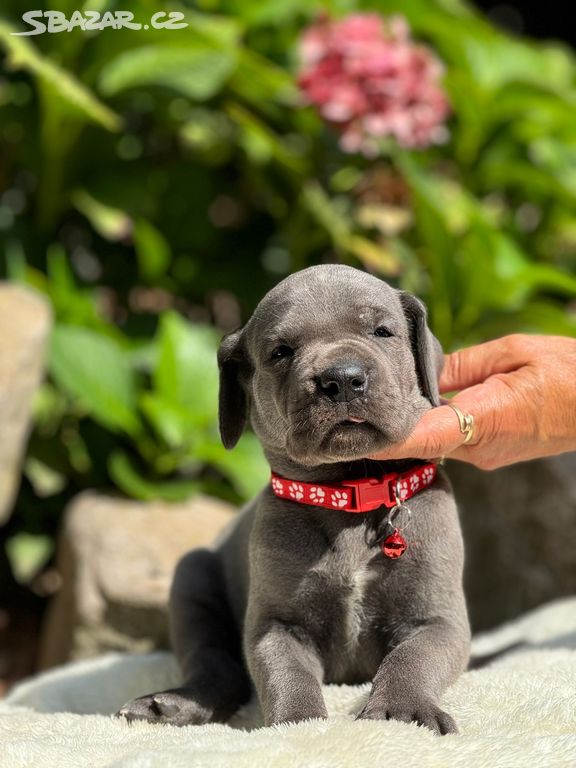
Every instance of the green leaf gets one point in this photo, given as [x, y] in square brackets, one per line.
[152, 250]
[28, 553]
[16, 265]
[268, 12]
[469, 42]
[218, 30]
[174, 424]
[79, 100]
[198, 71]
[558, 159]
[504, 277]
[501, 167]
[338, 224]
[133, 484]
[245, 466]
[94, 370]
[537, 105]
[436, 243]
[72, 305]
[533, 317]
[326, 212]
[43, 478]
[111, 223]
[262, 144]
[262, 83]
[547, 277]
[498, 59]
[210, 134]
[373, 255]
[187, 372]
[445, 198]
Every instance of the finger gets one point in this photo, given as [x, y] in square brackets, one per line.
[436, 434]
[473, 365]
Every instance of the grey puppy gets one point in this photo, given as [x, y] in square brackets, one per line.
[333, 365]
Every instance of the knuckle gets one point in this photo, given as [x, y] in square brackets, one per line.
[513, 345]
[455, 366]
[521, 345]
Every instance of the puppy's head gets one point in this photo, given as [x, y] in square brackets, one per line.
[333, 365]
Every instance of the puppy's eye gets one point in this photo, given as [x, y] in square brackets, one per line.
[383, 332]
[281, 351]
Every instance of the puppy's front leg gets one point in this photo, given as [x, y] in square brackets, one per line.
[286, 670]
[413, 676]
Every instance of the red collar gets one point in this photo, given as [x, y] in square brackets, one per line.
[362, 495]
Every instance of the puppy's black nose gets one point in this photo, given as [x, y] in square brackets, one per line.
[343, 382]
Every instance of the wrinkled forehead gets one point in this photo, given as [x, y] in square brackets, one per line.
[324, 299]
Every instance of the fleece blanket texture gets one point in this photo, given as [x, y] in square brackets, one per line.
[517, 712]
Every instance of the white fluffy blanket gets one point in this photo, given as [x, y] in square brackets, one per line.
[518, 711]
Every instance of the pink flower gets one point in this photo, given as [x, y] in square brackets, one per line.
[369, 80]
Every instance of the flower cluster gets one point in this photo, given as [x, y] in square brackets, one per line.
[370, 81]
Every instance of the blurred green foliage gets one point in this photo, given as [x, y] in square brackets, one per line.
[154, 184]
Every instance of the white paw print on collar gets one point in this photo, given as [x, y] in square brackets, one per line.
[317, 495]
[427, 475]
[296, 491]
[339, 499]
[278, 486]
[402, 489]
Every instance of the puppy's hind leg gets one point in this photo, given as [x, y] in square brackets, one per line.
[207, 644]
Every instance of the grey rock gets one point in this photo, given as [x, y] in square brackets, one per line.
[116, 559]
[25, 323]
[519, 526]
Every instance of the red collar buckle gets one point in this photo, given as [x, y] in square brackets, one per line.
[371, 492]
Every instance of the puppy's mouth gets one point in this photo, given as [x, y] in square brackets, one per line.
[352, 425]
[341, 432]
[350, 433]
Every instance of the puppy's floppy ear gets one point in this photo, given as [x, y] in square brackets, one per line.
[426, 348]
[232, 400]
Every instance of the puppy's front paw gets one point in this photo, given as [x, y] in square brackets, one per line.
[423, 712]
[174, 707]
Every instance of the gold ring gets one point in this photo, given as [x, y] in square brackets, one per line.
[466, 421]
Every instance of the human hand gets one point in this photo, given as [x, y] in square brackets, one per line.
[521, 391]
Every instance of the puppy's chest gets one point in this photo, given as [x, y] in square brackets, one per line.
[350, 616]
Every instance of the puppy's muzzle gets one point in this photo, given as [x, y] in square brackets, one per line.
[343, 382]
